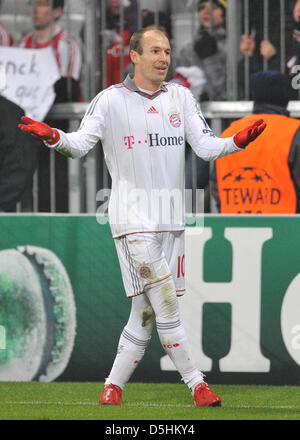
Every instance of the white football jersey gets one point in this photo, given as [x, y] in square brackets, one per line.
[143, 138]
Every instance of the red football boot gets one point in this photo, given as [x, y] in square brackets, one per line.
[204, 396]
[111, 395]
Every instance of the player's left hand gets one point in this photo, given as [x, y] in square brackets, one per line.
[247, 135]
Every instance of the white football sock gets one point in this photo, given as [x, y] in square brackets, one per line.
[172, 334]
[130, 352]
[133, 341]
[176, 344]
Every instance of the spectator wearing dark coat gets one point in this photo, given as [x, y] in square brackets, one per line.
[265, 50]
[18, 158]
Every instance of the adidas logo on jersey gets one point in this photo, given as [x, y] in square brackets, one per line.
[152, 110]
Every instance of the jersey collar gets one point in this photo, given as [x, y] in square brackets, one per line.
[129, 84]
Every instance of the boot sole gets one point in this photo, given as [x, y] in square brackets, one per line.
[216, 404]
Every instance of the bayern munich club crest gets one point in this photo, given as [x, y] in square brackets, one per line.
[175, 119]
[145, 271]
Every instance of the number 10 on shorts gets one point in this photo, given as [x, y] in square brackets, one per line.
[180, 266]
[2, 338]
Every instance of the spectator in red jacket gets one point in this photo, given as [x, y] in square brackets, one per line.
[47, 32]
[6, 38]
[116, 41]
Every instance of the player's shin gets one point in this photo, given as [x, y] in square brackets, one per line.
[177, 346]
[131, 349]
[171, 332]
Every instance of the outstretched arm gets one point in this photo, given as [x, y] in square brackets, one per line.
[74, 145]
[203, 141]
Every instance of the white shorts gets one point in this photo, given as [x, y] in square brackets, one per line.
[150, 258]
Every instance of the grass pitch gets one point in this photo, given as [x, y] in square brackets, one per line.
[144, 401]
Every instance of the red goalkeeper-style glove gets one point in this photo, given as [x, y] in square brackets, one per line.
[40, 130]
[248, 134]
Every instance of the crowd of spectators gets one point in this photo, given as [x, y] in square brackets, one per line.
[199, 65]
[46, 32]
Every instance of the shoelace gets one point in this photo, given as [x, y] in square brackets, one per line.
[202, 385]
[116, 387]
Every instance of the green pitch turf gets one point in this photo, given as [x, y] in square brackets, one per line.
[79, 401]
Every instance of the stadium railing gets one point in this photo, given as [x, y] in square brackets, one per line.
[88, 175]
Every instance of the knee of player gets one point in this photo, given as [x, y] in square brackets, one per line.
[147, 316]
[164, 300]
[169, 298]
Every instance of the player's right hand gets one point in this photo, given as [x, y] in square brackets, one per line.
[40, 130]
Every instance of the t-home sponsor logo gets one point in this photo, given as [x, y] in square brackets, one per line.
[164, 141]
[153, 140]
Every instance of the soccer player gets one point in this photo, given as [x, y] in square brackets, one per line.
[143, 124]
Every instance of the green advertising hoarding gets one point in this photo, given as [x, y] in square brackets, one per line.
[63, 306]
